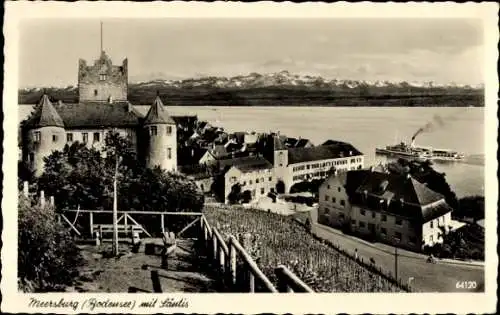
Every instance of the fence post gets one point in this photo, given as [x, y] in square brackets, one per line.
[42, 198]
[125, 223]
[26, 189]
[251, 281]
[162, 223]
[214, 245]
[91, 224]
[232, 260]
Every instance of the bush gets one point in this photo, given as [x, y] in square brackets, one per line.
[47, 254]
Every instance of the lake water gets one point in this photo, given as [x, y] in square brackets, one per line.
[462, 129]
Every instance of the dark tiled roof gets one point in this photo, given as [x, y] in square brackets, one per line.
[244, 160]
[157, 114]
[45, 115]
[323, 152]
[407, 197]
[99, 114]
[250, 163]
[302, 143]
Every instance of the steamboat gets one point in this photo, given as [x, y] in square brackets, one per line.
[419, 153]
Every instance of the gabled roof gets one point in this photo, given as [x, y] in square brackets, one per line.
[322, 152]
[407, 197]
[45, 115]
[99, 114]
[250, 163]
[157, 114]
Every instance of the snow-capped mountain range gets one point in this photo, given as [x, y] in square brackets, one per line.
[280, 79]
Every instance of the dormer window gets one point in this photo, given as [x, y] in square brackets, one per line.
[102, 77]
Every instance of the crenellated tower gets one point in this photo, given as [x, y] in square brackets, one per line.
[161, 133]
[102, 81]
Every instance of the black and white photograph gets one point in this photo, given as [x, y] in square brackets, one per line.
[170, 157]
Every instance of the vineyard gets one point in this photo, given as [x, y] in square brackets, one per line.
[277, 240]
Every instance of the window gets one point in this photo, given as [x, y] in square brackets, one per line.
[257, 181]
[363, 212]
[342, 203]
[54, 138]
[432, 224]
[373, 214]
[384, 217]
[262, 191]
[102, 77]
[244, 183]
[97, 137]
[250, 182]
[308, 166]
[353, 222]
[383, 231]
[327, 211]
[270, 178]
[31, 157]
[334, 199]
[399, 222]
[169, 130]
[338, 189]
[398, 236]
[361, 224]
[95, 92]
[37, 136]
[341, 216]
[153, 130]
[85, 137]
[169, 153]
[431, 239]
[69, 137]
[328, 187]
[326, 198]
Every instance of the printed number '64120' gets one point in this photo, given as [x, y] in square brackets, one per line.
[466, 285]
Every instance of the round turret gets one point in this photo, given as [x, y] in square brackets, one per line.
[45, 133]
[161, 132]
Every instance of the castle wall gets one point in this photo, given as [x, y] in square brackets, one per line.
[160, 146]
[79, 134]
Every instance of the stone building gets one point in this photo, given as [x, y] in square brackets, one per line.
[102, 107]
[293, 165]
[102, 80]
[391, 208]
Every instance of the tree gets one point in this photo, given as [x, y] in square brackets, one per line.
[79, 176]
[47, 254]
[235, 194]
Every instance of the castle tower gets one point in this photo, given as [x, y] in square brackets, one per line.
[102, 81]
[162, 137]
[44, 133]
[280, 160]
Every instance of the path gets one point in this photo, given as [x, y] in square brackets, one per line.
[439, 277]
[136, 270]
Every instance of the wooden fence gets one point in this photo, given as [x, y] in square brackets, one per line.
[224, 255]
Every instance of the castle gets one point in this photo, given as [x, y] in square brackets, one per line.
[102, 106]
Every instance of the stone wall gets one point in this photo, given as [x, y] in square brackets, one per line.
[102, 80]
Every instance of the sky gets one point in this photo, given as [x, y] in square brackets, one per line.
[413, 50]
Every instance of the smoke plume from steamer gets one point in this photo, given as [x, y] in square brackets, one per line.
[436, 122]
